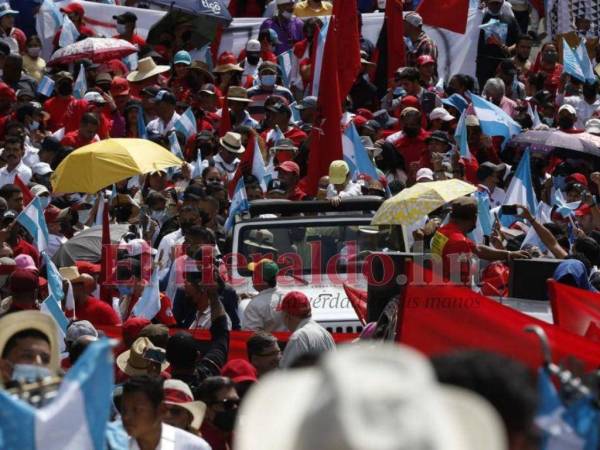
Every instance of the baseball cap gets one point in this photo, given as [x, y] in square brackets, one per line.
[126, 17]
[80, 328]
[568, 108]
[182, 57]
[53, 214]
[592, 126]
[266, 268]
[289, 167]
[295, 303]
[240, 371]
[338, 172]
[414, 19]
[39, 189]
[486, 169]
[279, 107]
[119, 86]
[73, 8]
[306, 103]
[137, 247]
[441, 113]
[253, 46]
[41, 168]
[425, 59]
[577, 178]
[88, 267]
[440, 136]
[150, 91]
[472, 121]
[94, 97]
[424, 173]
[208, 88]
[165, 96]
[103, 77]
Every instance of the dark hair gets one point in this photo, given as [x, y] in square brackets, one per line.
[207, 391]
[25, 110]
[504, 382]
[77, 348]
[409, 74]
[152, 387]
[14, 139]
[28, 333]
[8, 190]
[524, 119]
[182, 351]
[258, 342]
[89, 119]
[524, 37]
[588, 247]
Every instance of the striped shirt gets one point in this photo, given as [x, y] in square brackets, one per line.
[258, 95]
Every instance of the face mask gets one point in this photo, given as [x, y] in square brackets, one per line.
[121, 28]
[286, 15]
[380, 4]
[225, 420]
[34, 125]
[399, 91]
[559, 182]
[158, 215]
[125, 291]
[45, 201]
[29, 372]
[34, 52]
[253, 59]
[267, 80]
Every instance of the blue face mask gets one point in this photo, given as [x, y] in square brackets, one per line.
[45, 201]
[29, 372]
[268, 80]
[125, 291]
[399, 91]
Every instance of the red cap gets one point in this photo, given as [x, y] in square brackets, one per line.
[577, 178]
[410, 101]
[115, 65]
[359, 121]
[295, 303]
[289, 167]
[364, 112]
[7, 92]
[23, 280]
[88, 267]
[425, 59]
[119, 86]
[73, 8]
[226, 58]
[583, 210]
[53, 214]
[239, 370]
[132, 328]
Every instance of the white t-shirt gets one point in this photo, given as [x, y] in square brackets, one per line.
[172, 438]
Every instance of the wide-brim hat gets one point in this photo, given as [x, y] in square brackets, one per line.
[178, 393]
[228, 68]
[71, 274]
[202, 67]
[132, 361]
[196, 408]
[238, 94]
[125, 199]
[232, 142]
[14, 323]
[146, 68]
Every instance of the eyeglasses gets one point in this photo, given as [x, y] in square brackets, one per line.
[228, 404]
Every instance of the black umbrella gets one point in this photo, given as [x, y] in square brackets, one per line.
[87, 245]
[202, 17]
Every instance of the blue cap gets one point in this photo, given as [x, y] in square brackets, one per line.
[457, 101]
[182, 57]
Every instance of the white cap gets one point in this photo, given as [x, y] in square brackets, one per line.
[382, 397]
[569, 108]
[441, 113]
[592, 126]
[94, 97]
[253, 46]
[41, 168]
[414, 19]
[137, 247]
[472, 121]
[425, 173]
[39, 189]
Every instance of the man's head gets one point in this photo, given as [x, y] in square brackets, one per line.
[13, 196]
[295, 308]
[410, 119]
[263, 352]
[125, 23]
[409, 79]
[308, 109]
[413, 23]
[438, 142]
[75, 12]
[583, 24]
[230, 146]
[88, 126]
[13, 151]
[264, 274]
[142, 407]
[7, 17]
[182, 352]
[524, 46]
[181, 410]
[464, 213]
[567, 116]
[285, 8]
[289, 173]
[494, 6]
[494, 89]
[222, 402]
[13, 68]
[165, 104]
[488, 174]
[267, 74]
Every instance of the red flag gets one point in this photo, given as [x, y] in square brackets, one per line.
[225, 123]
[27, 195]
[438, 318]
[245, 166]
[358, 300]
[573, 309]
[449, 14]
[394, 20]
[326, 137]
[346, 15]
[107, 257]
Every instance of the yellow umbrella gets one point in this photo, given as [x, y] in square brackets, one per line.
[413, 203]
[95, 166]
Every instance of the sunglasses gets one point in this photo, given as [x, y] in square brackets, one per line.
[227, 404]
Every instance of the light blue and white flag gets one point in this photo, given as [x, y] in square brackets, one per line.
[239, 204]
[284, 61]
[484, 218]
[80, 86]
[295, 113]
[493, 120]
[186, 123]
[68, 32]
[55, 285]
[51, 306]
[321, 39]
[542, 216]
[584, 62]
[174, 145]
[460, 136]
[533, 113]
[356, 155]
[577, 63]
[47, 22]
[46, 86]
[520, 190]
[141, 124]
[76, 418]
[148, 304]
[562, 207]
[258, 167]
[32, 219]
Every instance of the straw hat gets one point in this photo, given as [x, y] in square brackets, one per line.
[178, 393]
[14, 323]
[203, 68]
[70, 273]
[232, 142]
[238, 94]
[146, 68]
[132, 361]
[228, 68]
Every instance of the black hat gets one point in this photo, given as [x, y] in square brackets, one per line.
[150, 91]
[277, 186]
[487, 169]
[440, 136]
[126, 17]
[279, 107]
[384, 118]
[165, 96]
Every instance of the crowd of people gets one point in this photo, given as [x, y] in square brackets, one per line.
[175, 392]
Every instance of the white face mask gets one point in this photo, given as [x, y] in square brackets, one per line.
[286, 15]
[121, 28]
[34, 52]
[158, 215]
[380, 4]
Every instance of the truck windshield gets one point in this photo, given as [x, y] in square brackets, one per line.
[309, 248]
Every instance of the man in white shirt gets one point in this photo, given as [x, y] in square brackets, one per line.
[585, 104]
[167, 117]
[308, 337]
[489, 175]
[142, 411]
[261, 313]
[13, 153]
[230, 149]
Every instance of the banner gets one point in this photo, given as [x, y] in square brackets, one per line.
[456, 52]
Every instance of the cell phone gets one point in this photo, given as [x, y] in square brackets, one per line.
[509, 210]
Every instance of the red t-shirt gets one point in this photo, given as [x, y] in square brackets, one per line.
[448, 243]
[411, 148]
[165, 315]
[56, 107]
[296, 135]
[74, 139]
[97, 312]
[25, 248]
[136, 39]
[297, 194]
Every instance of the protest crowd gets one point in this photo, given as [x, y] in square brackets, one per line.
[300, 224]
